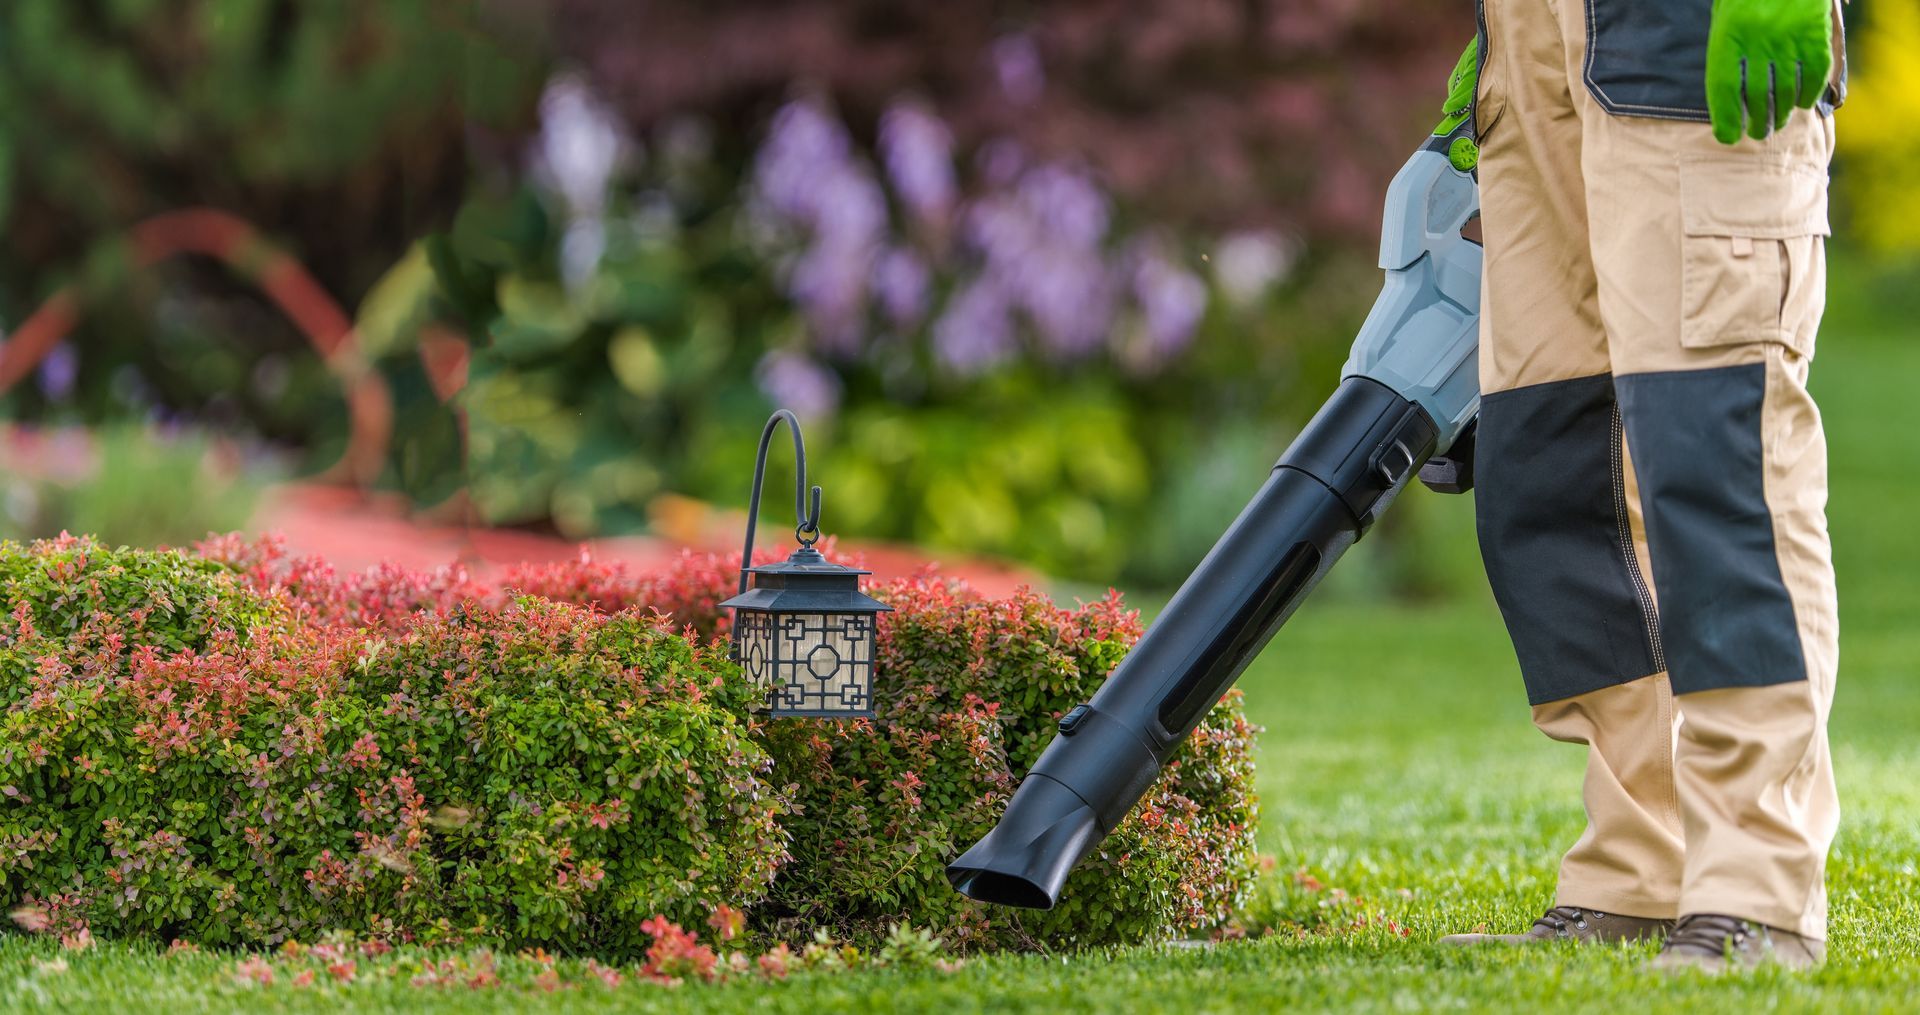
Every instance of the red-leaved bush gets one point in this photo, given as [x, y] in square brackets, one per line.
[184, 754]
[690, 590]
[968, 691]
[233, 745]
[383, 596]
[968, 695]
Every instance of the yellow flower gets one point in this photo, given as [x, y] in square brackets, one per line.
[1879, 132]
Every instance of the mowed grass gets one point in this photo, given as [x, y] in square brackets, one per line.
[1398, 767]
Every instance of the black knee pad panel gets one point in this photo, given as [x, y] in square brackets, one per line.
[1553, 533]
[1726, 618]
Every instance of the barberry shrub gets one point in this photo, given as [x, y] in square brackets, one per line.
[190, 751]
[231, 745]
[386, 595]
[690, 589]
[967, 693]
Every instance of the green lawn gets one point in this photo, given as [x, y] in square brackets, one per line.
[1398, 767]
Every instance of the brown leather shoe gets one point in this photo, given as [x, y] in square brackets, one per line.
[1713, 943]
[1572, 923]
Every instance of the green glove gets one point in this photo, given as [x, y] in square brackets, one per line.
[1765, 57]
[1461, 86]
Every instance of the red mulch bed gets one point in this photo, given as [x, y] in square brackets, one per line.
[355, 531]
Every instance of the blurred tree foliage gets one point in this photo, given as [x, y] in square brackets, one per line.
[1053, 281]
[802, 209]
[129, 486]
[341, 127]
[1099, 406]
[1216, 113]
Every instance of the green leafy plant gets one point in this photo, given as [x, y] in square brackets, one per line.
[230, 746]
[338, 127]
[967, 692]
[140, 488]
[970, 692]
[183, 755]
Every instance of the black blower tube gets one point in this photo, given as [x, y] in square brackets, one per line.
[1344, 469]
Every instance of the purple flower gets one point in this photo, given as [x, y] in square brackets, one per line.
[901, 280]
[918, 152]
[850, 208]
[1069, 295]
[58, 372]
[1042, 246]
[1001, 161]
[166, 426]
[793, 381]
[806, 181]
[998, 229]
[1247, 264]
[805, 144]
[1065, 204]
[581, 248]
[1171, 299]
[829, 282]
[975, 332]
[580, 145]
[1016, 66]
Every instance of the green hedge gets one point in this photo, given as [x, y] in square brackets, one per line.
[967, 694]
[181, 760]
[213, 746]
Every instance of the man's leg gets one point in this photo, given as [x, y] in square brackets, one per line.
[1560, 537]
[1711, 281]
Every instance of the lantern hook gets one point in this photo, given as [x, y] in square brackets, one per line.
[807, 529]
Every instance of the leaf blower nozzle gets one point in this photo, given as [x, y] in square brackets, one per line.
[1410, 390]
[1025, 860]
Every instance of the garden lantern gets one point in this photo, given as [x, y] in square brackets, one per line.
[803, 631]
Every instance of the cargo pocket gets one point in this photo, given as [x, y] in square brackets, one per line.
[1753, 261]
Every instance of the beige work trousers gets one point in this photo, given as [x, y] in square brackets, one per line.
[1652, 476]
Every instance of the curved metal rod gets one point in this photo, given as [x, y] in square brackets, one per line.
[807, 528]
[284, 281]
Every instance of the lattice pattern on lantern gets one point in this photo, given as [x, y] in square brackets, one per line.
[822, 663]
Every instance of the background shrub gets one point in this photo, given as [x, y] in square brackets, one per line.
[1033, 273]
[182, 755]
[126, 484]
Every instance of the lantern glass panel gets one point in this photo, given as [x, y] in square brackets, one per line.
[753, 640]
[813, 663]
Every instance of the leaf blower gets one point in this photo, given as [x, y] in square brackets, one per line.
[1405, 406]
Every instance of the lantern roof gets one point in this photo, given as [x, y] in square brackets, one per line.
[806, 582]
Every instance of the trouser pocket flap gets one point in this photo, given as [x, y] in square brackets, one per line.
[1753, 265]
